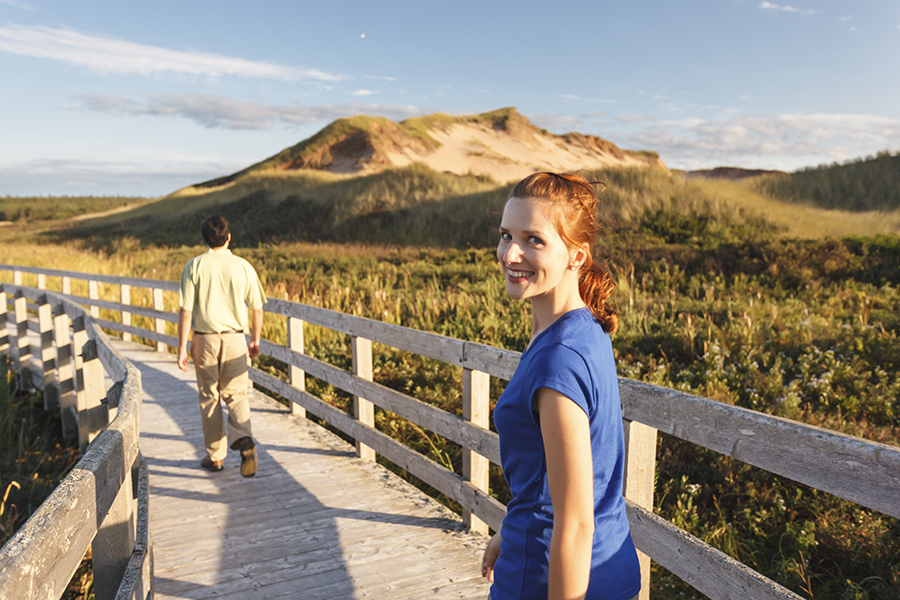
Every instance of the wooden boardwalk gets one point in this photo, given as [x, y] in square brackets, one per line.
[314, 523]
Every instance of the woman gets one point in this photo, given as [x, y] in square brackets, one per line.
[565, 534]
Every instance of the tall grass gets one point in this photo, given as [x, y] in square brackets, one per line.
[864, 184]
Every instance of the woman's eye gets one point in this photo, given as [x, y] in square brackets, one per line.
[505, 236]
[536, 241]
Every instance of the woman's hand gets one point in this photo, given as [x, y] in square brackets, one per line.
[491, 553]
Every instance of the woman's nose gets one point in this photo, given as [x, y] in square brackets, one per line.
[513, 253]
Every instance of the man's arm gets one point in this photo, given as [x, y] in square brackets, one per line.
[256, 321]
[184, 326]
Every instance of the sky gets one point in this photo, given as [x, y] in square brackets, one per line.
[143, 98]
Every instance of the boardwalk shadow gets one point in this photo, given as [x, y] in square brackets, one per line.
[222, 535]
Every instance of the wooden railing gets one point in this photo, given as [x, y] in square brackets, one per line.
[858, 470]
[102, 504]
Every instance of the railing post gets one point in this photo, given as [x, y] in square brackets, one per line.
[48, 355]
[67, 400]
[160, 324]
[79, 339]
[296, 376]
[114, 542]
[125, 298]
[476, 408]
[92, 414]
[363, 410]
[17, 277]
[67, 285]
[20, 307]
[640, 469]
[41, 281]
[4, 332]
[94, 294]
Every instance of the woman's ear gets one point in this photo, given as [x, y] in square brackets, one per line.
[578, 256]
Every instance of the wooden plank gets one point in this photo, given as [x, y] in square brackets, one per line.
[481, 504]
[640, 475]
[296, 377]
[864, 472]
[125, 299]
[4, 311]
[705, 568]
[476, 410]
[143, 311]
[363, 410]
[497, 362]
[453, 427]
[113, 279]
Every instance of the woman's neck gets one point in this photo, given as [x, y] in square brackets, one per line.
[548, 308]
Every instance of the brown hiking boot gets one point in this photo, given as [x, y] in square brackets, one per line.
[248, 458]
[210, 464]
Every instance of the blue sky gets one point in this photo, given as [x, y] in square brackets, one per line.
[102, 97]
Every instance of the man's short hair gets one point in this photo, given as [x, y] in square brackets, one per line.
[215, 231]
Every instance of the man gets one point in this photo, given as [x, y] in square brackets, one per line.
[215, 286]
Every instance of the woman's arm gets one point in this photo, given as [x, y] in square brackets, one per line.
[570, 474]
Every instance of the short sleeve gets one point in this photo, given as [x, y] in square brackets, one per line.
[188, 289]
[256, 296]
[561, 368]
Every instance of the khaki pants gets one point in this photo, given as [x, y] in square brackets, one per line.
[221, 362]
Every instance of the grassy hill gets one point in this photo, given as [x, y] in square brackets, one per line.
[865, 184]
[417, 206]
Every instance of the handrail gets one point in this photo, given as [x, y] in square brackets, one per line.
[864, 472]
[94, 505]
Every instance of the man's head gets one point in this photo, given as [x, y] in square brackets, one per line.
[215, 231]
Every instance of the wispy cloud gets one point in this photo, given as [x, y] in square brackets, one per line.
[632, 118]
[226, 113]
[787, 8]
[66, 175]
[17, 4]
[110, 55]
[363, 92]
[788, 138]
[552, 122]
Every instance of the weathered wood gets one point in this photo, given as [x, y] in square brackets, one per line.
[363, 410]
[93, 295]
[24, 348]
[151, 313]
[65, 372]
[39, 560]
[707, 569]
[160, 324]
[296, 376]
[79, 339]
[480, 503]
[125, 299]
[111, 279]
[94, 411]
[640, 474]
[113, 545]
[4, 311]
[48, 353]
[476, 409]
[453, 427]
[497, 362]
[864, 472]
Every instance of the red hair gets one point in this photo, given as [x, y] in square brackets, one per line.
[575, 206]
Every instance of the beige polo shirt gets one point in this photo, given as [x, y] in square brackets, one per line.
[218, 287]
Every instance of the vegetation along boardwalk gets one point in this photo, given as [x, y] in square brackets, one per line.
[315, 522]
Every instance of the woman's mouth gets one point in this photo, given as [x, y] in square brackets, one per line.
[517, 276]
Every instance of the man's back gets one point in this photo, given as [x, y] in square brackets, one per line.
[217, 285]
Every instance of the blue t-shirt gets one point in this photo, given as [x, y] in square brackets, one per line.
[573, 356]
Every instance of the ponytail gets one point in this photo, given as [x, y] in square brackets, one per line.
[596, 285]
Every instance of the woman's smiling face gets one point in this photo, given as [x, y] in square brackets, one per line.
[534, 257]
